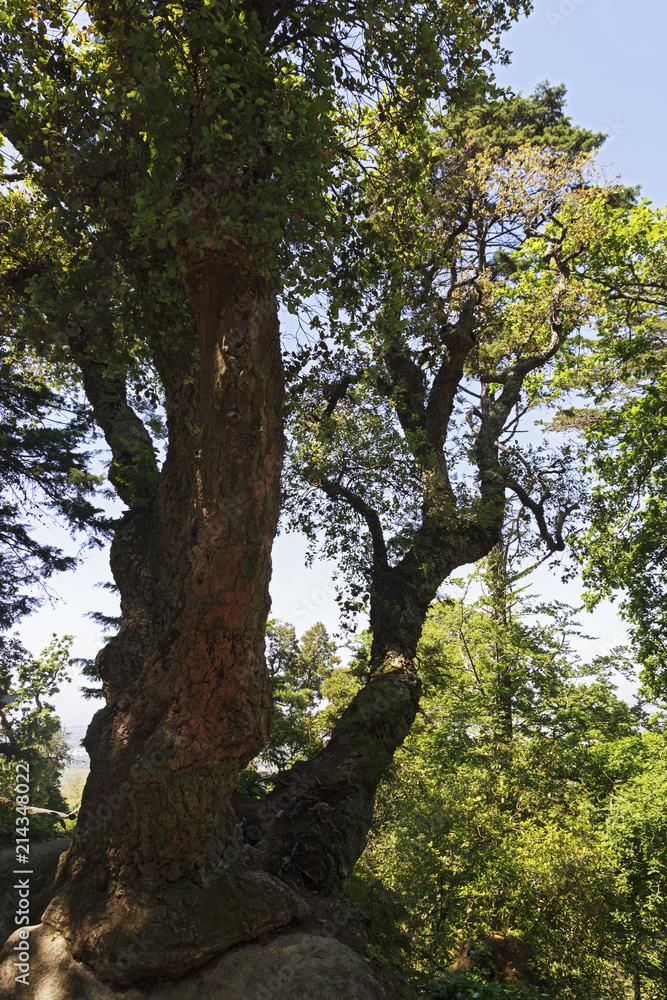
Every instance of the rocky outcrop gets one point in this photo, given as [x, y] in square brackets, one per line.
[321, 957]
[297, 964]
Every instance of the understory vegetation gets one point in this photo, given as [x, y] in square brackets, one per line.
[528, 800]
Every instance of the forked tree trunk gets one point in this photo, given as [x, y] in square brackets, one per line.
[142, 891]
[312, 829]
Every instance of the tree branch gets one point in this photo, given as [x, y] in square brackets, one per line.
[338, 393]
[335, 491]
[410, 384]
[134, 470]
[496, 411]
[554, 541]
[313, 827]
[458, 343]
[471, 662]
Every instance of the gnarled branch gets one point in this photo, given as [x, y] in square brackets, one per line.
[336, 491]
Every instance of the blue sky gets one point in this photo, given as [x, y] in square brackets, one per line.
[610, 55]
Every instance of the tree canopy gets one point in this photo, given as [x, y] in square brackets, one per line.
[620, 371]
[474, 245]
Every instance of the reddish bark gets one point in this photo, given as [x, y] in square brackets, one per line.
[190, 698]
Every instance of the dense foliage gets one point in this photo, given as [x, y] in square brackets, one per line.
[31, 730]
[45, 476]
[528, 800]
[620, 372]
[473, 239]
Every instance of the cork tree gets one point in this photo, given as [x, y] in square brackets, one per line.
[176, 168]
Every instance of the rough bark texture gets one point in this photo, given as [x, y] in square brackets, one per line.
[322, 956]
[188, 692]
[312, 828]
[158, 880]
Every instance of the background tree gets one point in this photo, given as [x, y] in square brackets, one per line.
[620, 370]
[31, 730]
[476, 834]
[299, 672]
[45, 474]
[637, 829]
[550, 830]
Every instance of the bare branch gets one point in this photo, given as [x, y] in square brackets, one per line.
[338, 392]
[336, 491]
[554, 541]
[471, 662]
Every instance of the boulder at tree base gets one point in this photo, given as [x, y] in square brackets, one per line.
[292, 965]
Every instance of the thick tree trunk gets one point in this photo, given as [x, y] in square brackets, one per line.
[142, 892]
[312, 828]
